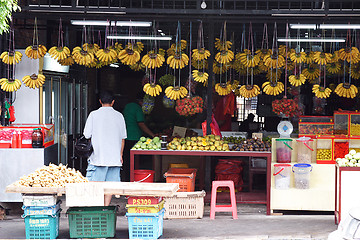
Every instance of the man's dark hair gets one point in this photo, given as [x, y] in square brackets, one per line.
[106, 97]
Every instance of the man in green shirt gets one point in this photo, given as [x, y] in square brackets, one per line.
[135, 128]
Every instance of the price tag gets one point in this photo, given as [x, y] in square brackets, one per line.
[257, 135]
[179, 131]
[84, 194]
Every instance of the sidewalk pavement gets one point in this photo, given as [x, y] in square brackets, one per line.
[252, 223]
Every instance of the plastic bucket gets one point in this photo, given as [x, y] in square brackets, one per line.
[302, 175]
[282, 176]
[283, 150]
[305, 149]
[141, 175]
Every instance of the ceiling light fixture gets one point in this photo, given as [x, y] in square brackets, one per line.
[303, 26]
[339, 26]
[163, 38]
[311, 40]
[111, 23]
[203, 4]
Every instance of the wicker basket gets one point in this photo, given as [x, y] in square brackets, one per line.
[185, 205]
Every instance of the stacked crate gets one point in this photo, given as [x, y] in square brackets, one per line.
[145, 217]
[42, 216]
[185, 203]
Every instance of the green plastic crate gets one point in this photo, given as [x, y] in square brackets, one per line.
[92, 222]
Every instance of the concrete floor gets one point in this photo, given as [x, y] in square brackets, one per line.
[253, 223]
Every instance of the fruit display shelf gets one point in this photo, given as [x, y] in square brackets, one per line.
[157, 156]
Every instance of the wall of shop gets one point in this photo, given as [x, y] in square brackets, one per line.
[27, 99]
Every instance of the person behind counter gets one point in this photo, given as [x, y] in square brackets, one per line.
[249, 126]
[107, 130]
[136, 128]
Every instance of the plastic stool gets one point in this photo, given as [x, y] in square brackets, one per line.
[223, 208]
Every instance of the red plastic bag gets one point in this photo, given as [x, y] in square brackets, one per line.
[12, 114]
[215, 130]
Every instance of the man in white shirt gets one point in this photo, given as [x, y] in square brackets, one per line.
[107, 130]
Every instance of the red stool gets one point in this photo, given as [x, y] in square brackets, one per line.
[223, 208]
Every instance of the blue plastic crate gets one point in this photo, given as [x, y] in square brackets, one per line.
[145, 225]
[29, 210]
[42, 226]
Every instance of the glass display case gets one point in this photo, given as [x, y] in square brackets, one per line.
[324, 150]
[355, 124]
[26, 130]
[341, 147]
[341, 123]
[315, 128]
[354, 144]
[312, 119]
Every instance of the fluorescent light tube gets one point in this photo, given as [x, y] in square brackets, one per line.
[339, 26]
[303, 26]
[112, 23]
[165, 38]
[311, 40]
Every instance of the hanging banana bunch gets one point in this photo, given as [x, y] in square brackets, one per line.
[175, 93]
[249, 91]
[263, 52]
[138, 46]
[235, 85]
[10, 85]
[224, 56]
[60, 51]
[91, 47]
[333, 67]
[96, 64]
[223, 89]
[200, 76]
[152, 89]
[138, 67]
[349, 54]
[219, 68]
[69, 61]
[222, 44]
[199, 64]
[297, 80]
[129, 56]
[36, 50]
[274, 60]
[355, 70]
[346, 90]
[273, 75]
[309, 58]
[282, 51]
[297, 57]
[273, 88]
[82, 57]
[34, 81]
[311, 72]
[322, 58]
[321, 92]
[11, 57]
[248, 59]
[334, 57]
[200, 54]
[178, 61]
[153, 60]
[106, 55]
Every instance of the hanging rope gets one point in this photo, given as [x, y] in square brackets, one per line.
[265, 38]
[286, 59]
[35, 35]
[190, 56]
[60, 37]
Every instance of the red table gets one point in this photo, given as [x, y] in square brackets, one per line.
[267, 155]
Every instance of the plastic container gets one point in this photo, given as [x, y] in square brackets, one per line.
[144, 200]
[179, 165]
[155, 208]
[39, 200]
[145, 225]
[282, 176]
[302, 175]
[37, 138]
[185, 205]
[41, 210]
[184, 176]
[305, 149]
[141, 175]
[283, 150]
[42, 226]
[92, 222]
